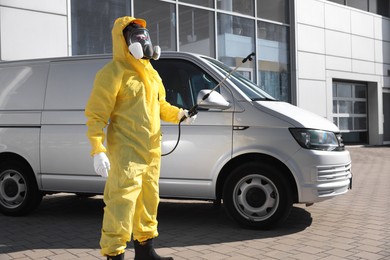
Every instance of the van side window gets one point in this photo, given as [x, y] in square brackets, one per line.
[182, 81]
[69, 77]
[22, 87]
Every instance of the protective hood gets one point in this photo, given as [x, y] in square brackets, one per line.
[121, 52]
[120, 49]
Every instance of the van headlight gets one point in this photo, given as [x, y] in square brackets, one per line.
[317, 139]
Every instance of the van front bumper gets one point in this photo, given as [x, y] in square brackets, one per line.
[322, 175]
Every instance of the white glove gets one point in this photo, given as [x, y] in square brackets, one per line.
[101, 164]
[188, 120]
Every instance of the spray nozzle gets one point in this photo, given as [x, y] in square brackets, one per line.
[249, 57]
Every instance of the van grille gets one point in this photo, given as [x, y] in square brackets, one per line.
[333, 173]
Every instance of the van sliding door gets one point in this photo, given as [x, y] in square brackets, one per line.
[65, 150]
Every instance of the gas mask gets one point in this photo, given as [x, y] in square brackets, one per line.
[139, 43]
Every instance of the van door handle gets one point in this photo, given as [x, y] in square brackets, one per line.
[237, 127]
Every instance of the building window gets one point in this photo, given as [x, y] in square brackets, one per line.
[161, 22]
[342, 2]
[92, 22]
[196, 30]
[359, 4]
[205, 3]
[350, 110]
[275, 10]
[236, 39]
[227, 30]
[238, 6]
[381, 7]
[273, 59]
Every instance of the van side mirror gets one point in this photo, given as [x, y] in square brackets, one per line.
[214, 101]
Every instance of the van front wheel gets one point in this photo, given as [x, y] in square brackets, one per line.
[19, 193]
[257, 196]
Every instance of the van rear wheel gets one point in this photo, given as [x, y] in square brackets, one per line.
[257, 196]
[19, 194]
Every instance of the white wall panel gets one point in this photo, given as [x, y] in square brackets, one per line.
[311, 66]
[382, 52]
[332, 74]
[363, 48]
[383, 70]
[386, 29]
[50, 6]
[310, 12]
[365, 67]
[386, 52]
[312, 96]
[386, 82]
[337, 18]
[378, 51]
[380, 69]
[362, 24]
[337, 63]
[311, 39]
[29, 34]
[338, 44]
[382, 28]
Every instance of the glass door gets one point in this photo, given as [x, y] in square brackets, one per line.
[350, 111]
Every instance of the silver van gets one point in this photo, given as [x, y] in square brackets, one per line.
[256, 154]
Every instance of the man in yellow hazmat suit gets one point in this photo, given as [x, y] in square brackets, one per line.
[129, 98]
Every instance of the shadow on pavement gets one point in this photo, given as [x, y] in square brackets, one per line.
[67, 221]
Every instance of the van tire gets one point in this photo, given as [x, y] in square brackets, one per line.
[257, 196]
[19, 194]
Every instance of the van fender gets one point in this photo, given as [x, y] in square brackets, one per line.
[256, 152]
[22, 144]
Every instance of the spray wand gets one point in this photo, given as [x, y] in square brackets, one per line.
[193, 111]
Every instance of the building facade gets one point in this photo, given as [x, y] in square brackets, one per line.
[329, 57]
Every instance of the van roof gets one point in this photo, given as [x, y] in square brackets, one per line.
[164, 54]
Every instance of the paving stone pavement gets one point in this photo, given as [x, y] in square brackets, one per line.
[352, 226]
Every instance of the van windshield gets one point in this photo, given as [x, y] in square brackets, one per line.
[251, 90]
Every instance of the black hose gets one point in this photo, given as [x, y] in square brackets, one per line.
[177, 142]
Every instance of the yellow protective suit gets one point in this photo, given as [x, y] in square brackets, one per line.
[129, 97]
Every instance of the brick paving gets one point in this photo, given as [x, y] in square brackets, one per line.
[353, 226]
